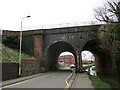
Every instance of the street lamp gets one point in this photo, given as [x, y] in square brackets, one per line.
[21, 44]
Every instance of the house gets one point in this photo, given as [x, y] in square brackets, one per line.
[67, 59]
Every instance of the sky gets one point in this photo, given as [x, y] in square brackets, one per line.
[86, 55]
[66, 53]
[45, 12]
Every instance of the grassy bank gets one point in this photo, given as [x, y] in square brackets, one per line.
[11, 55]
[98, 83]
[86, 67]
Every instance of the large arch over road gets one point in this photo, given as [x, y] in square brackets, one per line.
[53, 52]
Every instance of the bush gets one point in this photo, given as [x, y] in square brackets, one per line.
[86, 67]
[94, 68]
[11, 42]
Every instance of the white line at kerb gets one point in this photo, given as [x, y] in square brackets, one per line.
[66, 81]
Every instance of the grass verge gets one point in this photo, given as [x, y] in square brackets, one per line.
[86, 67]
[94, 68]
[98, 83]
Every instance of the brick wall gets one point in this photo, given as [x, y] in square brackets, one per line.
[30, 67]
[38, 47]
[9, 70]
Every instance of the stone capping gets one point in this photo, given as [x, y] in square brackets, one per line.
[23, 60]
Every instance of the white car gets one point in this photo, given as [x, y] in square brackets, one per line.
[72, 66]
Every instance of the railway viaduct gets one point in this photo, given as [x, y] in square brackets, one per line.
[47, 44]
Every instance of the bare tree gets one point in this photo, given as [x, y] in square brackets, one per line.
[109, 13]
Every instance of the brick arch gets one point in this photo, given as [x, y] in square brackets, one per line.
[53, 52]
[102, 57]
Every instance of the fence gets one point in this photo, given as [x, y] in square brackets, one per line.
[72, 24]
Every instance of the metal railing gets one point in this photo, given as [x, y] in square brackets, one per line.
[72, 24]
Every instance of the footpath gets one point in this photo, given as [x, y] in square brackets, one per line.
[82, 81]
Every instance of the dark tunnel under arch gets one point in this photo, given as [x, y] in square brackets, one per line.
[53, 52]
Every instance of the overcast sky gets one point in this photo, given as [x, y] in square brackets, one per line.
[86, 55]
[45, 12]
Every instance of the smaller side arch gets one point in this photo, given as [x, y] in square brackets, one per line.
[102, 58]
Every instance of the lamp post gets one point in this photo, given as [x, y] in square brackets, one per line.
[21, 44]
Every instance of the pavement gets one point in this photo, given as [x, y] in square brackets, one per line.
[82, 81]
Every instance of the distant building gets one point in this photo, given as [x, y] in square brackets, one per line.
[67, 59]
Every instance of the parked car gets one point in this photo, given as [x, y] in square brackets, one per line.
[72, 66]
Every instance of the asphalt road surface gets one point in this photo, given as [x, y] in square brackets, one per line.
[52, 80]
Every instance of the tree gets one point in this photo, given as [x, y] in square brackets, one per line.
[110, 34]
[109, 13]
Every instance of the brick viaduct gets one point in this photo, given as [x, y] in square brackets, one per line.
[47, 44]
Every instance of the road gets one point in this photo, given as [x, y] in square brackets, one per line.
[52, 80]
